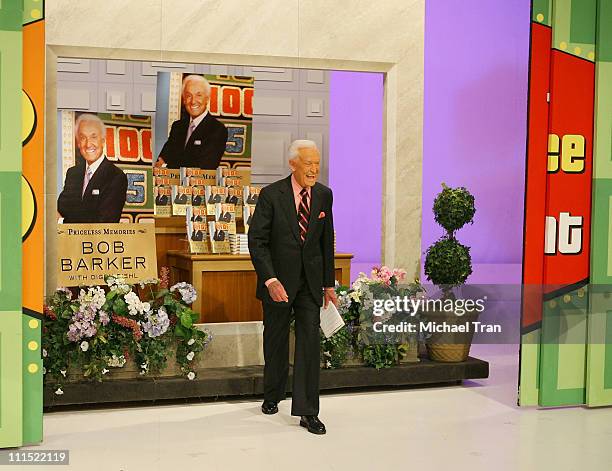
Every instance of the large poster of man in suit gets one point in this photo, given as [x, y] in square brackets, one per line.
[105, 171]
[203, 121]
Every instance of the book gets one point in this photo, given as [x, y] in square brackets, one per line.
[234, 196]
[247, 214]
[214, 194]
[225, 212]
[162, 201]
[208, 176]
[232, 181]
[196, 213]
[223, 173]
[198, 196]
[181, 198]
[171, 175]
[239, 244]
[330, 320]
[218, 235]
[197, 235]
[250, 194]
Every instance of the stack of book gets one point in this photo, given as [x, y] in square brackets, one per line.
[239, 244]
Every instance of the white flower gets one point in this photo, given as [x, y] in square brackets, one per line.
[44, 370]
[84, 345]
[191, 342]
[191, 376]
[63, 373]
[327, 354]
[328, 364]
[116, 361]
[142, 372]
[44, 352]
[104, 371]
[190, 356]
[59, 391]
[135, 305]
[144, 366]
[94, 298]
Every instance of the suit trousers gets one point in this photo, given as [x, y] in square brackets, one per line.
[306, 361]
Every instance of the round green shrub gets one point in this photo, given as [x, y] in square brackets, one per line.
[448, 263]
[454, 208]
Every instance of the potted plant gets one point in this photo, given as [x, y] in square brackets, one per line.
[448, 264]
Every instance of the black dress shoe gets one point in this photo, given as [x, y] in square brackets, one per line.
[313, 424]
[269, 407]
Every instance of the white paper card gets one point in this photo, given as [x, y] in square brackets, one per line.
[331, 320]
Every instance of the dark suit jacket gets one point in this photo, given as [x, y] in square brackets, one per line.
[219, 236]
[216, 198]
[161, 200]
[275, 245]
[211, 135]
[196, 200]
[180, 198]
[197, 236]
[225, 217]
[110, 184]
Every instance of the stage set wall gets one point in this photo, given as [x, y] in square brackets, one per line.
[566, 322]
[315, 34]
[474, 128]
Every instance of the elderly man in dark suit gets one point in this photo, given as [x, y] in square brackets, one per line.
[95, 189]
[291, 242]
[198, 139]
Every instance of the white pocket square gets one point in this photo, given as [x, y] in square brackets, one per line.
[95, 192]
[197, 143]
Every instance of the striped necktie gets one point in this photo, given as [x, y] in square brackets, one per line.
[192, 127]
[86, 180]
[303, 214]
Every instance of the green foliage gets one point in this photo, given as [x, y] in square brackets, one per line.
[118, 335]
[380, 356]
[454, 208]
[357, 336]
[448, 263]
[334, 350]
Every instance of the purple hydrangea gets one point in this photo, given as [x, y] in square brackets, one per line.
[156, 323]
[104, 317]
[187, 291]
[83, 324]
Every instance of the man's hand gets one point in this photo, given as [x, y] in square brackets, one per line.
[330, 295]
[277, 292]
[160, 161]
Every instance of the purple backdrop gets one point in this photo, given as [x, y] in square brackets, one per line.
[355, 165]
[476, 66]
[475, 111]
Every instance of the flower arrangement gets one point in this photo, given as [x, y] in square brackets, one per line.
[101, 329]
[356, 305]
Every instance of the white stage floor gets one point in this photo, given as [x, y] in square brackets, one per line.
[476, 426]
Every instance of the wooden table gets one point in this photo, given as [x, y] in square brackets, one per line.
[226, 283]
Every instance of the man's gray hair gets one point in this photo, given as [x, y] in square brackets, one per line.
[196, 78]
[88, 117]
[300, 144]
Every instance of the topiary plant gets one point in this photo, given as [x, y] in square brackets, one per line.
[447, 262]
